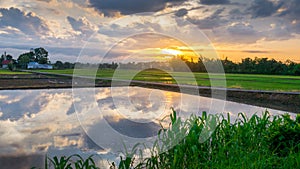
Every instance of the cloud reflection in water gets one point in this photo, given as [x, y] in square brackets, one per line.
[41, 121]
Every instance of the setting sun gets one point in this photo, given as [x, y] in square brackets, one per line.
[171, 52]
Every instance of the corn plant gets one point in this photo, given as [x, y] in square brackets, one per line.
[68, 163]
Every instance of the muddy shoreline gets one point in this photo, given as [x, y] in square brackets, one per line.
[281, 101]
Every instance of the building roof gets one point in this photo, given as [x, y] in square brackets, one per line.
[6, 62]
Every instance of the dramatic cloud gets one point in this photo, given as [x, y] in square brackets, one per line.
[82, 25]
[214, 2]
[28, 23]
[291, 9]
[236, 14]
[263, 8]
[241, 29]
[181, 12]
[211, 21]
[127, 7]
[238, 32]
[62, 27]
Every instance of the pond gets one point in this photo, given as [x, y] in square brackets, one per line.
[92, 120]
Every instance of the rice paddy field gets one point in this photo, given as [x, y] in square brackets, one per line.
[241, 81]
[8, 72]
[259, 141]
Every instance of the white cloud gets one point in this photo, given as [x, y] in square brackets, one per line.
[69, 24]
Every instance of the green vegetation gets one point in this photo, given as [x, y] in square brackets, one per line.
[243, 81]
[258, 142]
[75, 161]
[39, 55]
[9, 72]
[247, 66]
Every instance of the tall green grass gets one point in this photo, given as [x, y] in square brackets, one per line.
[258, 142]
[72, 162]
[212, 141]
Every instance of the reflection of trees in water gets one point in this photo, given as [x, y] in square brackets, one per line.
[22, 161]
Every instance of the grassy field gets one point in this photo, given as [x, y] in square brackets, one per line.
[8, 72]
[243, 81]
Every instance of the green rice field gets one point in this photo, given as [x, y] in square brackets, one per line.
[8, 72]
[241, 81]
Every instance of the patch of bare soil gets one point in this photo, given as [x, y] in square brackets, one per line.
[280, 101]
[37, 81]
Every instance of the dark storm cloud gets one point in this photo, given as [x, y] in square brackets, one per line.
[214, 2]
[81, 25]
[181, 12]
[127, 7]
[210, 22]
[27, 23]
[263, 8]
[241, 29]
[45, 1]
[238, 32]
[76, 25]
[292, 9]
[236, 14]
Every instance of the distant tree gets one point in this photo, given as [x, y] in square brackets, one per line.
[290, 67]
[12, 65]
[114, 65]
[247, 66]
[1, 60]
[229, 66]
[59, 65]
[9, 57]
[201, 65]
[24, 59]
[296, 70]
[6, 57]
[68, 65]
[41, 55]
[179, 63]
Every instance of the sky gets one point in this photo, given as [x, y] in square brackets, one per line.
[139, 30]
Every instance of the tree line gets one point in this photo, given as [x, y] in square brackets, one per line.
[246, 66]
[39, 55]
[178, 63]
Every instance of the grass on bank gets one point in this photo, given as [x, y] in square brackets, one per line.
[243, 81]
[257, 142]
[9, 72]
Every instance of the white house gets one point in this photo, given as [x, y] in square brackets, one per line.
[35, 65]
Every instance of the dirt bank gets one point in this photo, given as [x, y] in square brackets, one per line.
[38, 81]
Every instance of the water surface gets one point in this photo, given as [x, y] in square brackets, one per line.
[67, 121]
